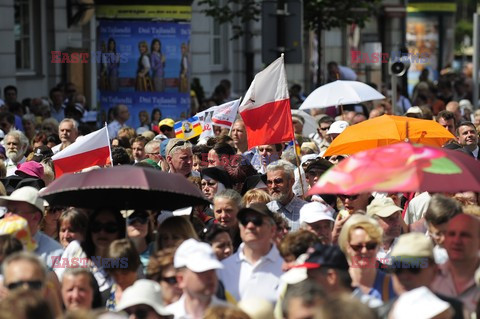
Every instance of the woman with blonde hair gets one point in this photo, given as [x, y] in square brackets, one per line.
[255, 196]
[360, 239]
[143, 81]
[174, 231]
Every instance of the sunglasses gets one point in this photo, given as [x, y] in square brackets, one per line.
[140, 313]
[32, 284]
[405, 267]
[368, 246]
[350, 197]
[257, 220]
[110, 228]
[179, 143]
[325, 128]
[169, 280]
[141, 219]
[276, 181]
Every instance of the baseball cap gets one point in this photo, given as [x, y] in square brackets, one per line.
[418, 303]
[314, 212]
[27, 194]
[259, 208]
[326, 256]
[413, 245]
[337, 127]
[144, 292]
[465, 104]
[382, 207]
[31, 168]
[163, 147]
[167, 122]
[196, 256]
[414, 110]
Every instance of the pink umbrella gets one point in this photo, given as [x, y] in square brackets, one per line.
[401, 167]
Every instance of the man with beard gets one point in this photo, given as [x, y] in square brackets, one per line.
[195, 263]
[16, 144]
[388, 216]
[280, 179]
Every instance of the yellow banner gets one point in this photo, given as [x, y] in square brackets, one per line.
[432, 7]
[144, 12]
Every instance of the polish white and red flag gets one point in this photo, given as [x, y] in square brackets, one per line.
[87, 151]
[265, 109]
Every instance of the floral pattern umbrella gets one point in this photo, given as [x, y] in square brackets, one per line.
[401, 167]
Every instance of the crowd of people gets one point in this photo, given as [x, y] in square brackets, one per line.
[261, 249]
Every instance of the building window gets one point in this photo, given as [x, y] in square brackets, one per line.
[219, 45]
[23, 35]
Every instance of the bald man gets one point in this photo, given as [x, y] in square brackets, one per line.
[454, 107]
[456, 276]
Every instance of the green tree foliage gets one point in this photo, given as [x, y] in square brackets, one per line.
[318, 14]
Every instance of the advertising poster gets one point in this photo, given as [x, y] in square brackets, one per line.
[146, 66]
[422, 40]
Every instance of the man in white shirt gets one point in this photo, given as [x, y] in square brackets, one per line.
[254, 270]
[195, 263]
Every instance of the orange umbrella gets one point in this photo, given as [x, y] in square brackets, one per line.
[385, 130]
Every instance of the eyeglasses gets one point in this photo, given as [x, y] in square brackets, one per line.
[110, 228]
[349, 197]
[325, 128]
[406, 267]
[140, 218]
[368, 246]
[32, 284]
[257, 220]
[277, 181]
[169, 280]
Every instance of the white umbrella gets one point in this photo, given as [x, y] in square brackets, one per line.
[310, 125]
[340, 93]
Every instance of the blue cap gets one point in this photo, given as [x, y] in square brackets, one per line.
[163, 147]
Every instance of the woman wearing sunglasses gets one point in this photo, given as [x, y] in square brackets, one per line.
[160, 269]
[360, 239]
[139, 230]
[104, 226]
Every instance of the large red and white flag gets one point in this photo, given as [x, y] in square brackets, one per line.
[265, 110]
[87, 151]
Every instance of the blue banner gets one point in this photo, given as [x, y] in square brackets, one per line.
[145, 65]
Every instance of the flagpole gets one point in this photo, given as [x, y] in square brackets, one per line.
[298, 165]
[109, 145]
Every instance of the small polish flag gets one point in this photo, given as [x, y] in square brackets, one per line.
[265, 110]
[87, 151]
